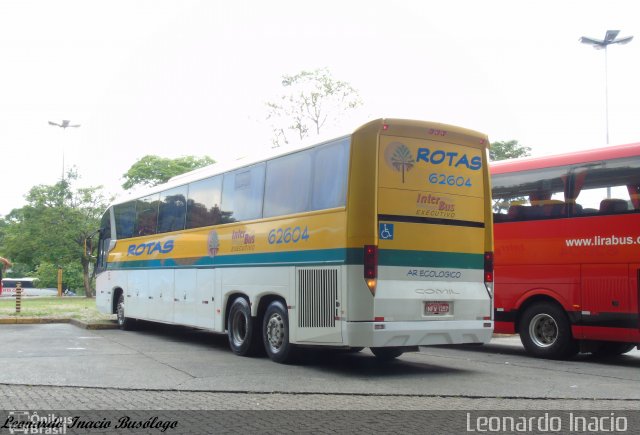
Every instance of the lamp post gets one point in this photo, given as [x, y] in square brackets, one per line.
[64, 125]
[609, 39]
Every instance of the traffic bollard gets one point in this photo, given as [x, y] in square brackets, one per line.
[18, 296]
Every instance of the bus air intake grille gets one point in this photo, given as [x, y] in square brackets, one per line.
[318, 304]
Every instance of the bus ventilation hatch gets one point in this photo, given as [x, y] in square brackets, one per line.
[317, 298]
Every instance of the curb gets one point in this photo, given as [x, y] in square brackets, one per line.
[32, 320]
[107, 324]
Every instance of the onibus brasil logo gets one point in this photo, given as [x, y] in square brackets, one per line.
[399, 157]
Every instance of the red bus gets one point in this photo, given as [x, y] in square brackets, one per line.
[567, 251]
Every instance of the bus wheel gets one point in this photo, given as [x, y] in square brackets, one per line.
[387, 353]
[612, 348]
[275, 333]
[241, 328]
[124, 323]
[545, 332]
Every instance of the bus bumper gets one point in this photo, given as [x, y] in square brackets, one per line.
[391, 334]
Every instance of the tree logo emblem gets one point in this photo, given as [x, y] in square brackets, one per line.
[399, 158]
[213, 243]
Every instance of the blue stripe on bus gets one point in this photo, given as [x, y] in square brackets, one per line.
[386, 257]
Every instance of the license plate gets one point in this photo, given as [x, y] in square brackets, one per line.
[431, 308]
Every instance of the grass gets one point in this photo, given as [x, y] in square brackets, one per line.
[80, 308]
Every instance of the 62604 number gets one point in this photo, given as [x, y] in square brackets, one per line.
[449, 180]
[279, 236]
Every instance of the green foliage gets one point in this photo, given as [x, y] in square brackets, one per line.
[52, 229]
[503, 150]
[312, 100]
[153, 170]
[47, 274]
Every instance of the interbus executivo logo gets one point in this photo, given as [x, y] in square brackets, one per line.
[399, 157]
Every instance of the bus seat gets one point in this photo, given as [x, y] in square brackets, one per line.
[554, 208]
[525, 212]
[534, 212]
[612, 205]
[515, 212]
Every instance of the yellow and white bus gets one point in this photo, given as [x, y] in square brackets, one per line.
[380, 239]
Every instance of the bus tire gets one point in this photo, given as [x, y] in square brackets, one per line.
[387, 353]
[241, 328]
[275, 333]
[545, 332]
[612, 348]
[124, 323]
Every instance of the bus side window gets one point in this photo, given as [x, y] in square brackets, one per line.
[243, 192]
[287, 186]
[202, 206]
[125, 215]
[330, 167]
[147, 215]
[173, 207]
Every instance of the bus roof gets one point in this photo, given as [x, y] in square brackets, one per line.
[566, 159]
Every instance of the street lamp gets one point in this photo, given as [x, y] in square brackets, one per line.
[64, 125]
[609, 39]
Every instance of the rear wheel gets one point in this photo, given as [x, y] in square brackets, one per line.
[387, 353]
[275, 333]
[125, 323]
[612, 348]
[545, 332]
[241, 328]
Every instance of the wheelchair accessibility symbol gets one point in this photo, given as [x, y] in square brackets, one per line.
[386, 231]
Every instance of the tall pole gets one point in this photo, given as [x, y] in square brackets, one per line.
[609, 38]
[64, 125]
[606, 95]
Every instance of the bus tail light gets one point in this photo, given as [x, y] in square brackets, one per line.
[371, 267]
[488, 267]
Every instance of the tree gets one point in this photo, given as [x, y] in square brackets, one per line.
[53, 226]
[153, 170]
[312, 100]
[508, 150]
[72, 276]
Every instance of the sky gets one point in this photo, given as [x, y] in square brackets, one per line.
[185, 77]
